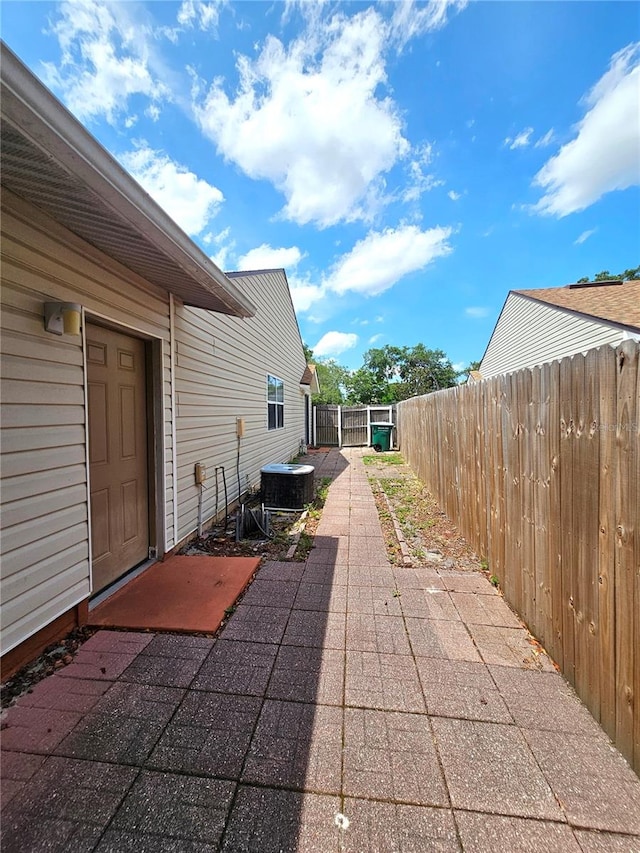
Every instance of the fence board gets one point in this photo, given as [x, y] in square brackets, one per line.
[634, 632]
[551, 373]
[586, 506]
[567, 516]
[541, 515]
[525, 445]
[540, 470]
[626, 522]
[606, 547]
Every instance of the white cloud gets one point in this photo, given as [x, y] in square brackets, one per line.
[521, 140]
[453, 195]
[545, 140]
[604, 155]
[304, 294]
[584, 236]
[375, 338]
[265, 257]
[205, 16]
[188, 200]
[419, 180]
[381, 259]
[334, 343]
[105, 59]
[224, 247]
[411, 19]
[311, 119]
[476, 312]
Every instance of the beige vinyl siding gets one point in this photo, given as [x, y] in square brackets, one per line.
[529, 333]
[45, 530]
[221, 374]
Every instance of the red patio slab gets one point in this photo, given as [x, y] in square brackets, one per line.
[179, 594]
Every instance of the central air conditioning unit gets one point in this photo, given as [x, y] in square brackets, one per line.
[287, 486]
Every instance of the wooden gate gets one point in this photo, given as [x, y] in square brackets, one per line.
[355, 426]
[325, 425]
[348, 426]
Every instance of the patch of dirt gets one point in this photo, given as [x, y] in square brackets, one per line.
[286, 529]
[52, 659]
[431, 537]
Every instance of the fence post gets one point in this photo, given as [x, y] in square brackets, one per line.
[368, 426]
[315, 427]
[339, 426]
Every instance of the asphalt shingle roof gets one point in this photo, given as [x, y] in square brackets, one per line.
[616, 302]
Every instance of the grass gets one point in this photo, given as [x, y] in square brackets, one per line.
[383, 459]
[305, 544]
[314, 512]
[405, 496]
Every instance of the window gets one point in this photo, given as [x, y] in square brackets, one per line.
[275, 402]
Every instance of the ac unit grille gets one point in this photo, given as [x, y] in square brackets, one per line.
[287, 486]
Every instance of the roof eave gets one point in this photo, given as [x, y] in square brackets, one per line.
[40, 117]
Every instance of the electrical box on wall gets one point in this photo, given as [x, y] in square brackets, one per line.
[240, 427]
[200, 473]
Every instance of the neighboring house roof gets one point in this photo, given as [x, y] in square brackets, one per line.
[310, 377]
[49, 159]
[614, 301]
[538, 326]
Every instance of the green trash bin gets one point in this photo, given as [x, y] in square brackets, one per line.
[381, 437]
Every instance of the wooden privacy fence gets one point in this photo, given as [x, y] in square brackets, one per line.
[348, 426]
[540, 471]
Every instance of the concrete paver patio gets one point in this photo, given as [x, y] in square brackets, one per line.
[330, 715]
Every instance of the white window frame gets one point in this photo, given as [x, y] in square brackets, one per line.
[275, 402]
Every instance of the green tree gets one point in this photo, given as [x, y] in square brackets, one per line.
[367, 387]
[333, 379]
[630, 274]
[424, 370]
[374, 381]
[390, 374]
[466, 371]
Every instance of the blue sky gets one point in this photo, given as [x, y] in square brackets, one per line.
[406, 163]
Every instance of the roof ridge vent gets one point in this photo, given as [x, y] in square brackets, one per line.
[608, 282]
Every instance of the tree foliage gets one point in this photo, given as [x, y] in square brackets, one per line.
[466, 371]
[388, 374]
[333, 379]
[604, 275]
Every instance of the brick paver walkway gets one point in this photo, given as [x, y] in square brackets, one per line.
[331, 715]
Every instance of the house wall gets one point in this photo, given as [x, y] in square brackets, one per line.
[221, 375]
[529, 333]
[221, 365]
[45, 527]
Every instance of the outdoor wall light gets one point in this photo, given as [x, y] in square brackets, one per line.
[62, 318]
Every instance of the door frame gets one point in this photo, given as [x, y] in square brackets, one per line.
[155, 440]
